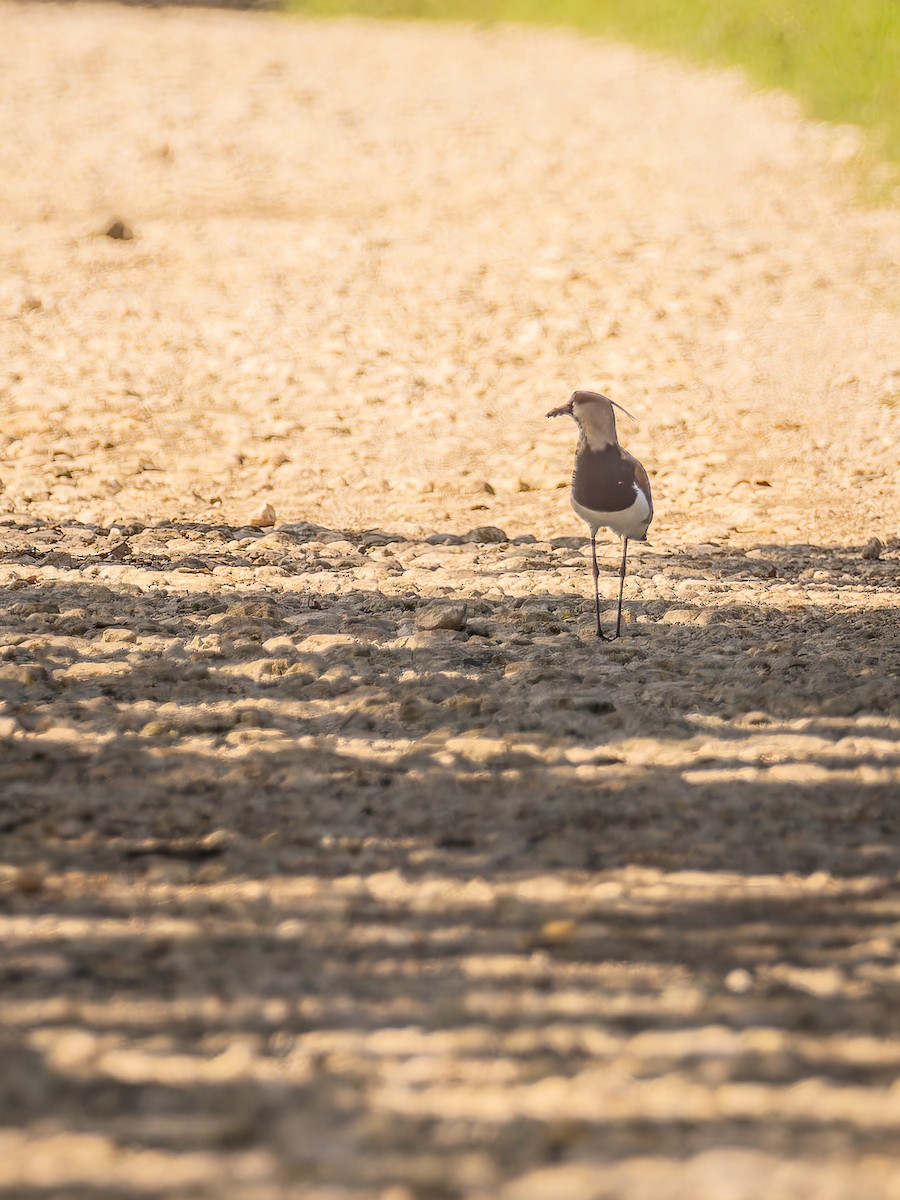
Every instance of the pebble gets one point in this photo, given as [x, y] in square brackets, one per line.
[116, 633]
[427, 639]
[83, 671]
[485, 535]
[119, 231]
[443, 539]
[678, 616]
[440, 614]
[480, 628]
[30, 879]
[263, 517]
[331, 645]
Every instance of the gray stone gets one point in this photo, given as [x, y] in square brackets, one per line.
[442, 614]
[485, 534]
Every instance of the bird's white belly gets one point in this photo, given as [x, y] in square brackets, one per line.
[629, 522]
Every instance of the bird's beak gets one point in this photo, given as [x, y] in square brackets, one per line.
[564, 411]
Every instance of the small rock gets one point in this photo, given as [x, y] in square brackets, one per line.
[261, 607]
[481, 628]
[485, 533]
[119, 231]
[266, 669]
[756, 718]
[192, 564]
[677, 616]
[156, 729]
[83, 672]
[761, 570]
[26, 673]
[255, 718]
[30, 878]
[442, 614]
[739, 981]
[335, 645]
[279, 645]
[561, 930]
[262, 518]
[443, 539]
[873, 549]
[118, 633]
[211, 645]
[73, 1051]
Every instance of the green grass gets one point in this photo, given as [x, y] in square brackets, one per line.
[840, 57]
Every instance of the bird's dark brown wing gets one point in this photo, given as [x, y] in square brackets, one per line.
[604, 479]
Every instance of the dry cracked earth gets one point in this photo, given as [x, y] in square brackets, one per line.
[339, 859]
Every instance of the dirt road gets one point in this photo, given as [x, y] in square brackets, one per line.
[301, 897]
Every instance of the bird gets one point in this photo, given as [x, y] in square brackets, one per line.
[610, 488]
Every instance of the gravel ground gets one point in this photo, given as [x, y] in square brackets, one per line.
[339, 860]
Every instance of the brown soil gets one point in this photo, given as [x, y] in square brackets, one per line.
[301, 897]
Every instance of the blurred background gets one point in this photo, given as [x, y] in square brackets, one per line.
[842, 60]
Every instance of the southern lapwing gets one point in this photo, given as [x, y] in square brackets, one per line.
[610, 488]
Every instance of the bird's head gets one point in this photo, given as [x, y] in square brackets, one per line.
[594, 415]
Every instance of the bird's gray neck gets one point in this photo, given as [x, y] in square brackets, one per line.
[590, 439]
[598, 428]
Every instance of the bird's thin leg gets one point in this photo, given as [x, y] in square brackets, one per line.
[596, 583]
[621, 587]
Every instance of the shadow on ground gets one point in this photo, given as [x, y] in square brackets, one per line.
[293, 895]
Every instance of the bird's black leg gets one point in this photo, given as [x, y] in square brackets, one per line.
[596, 584]
[621, 587]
